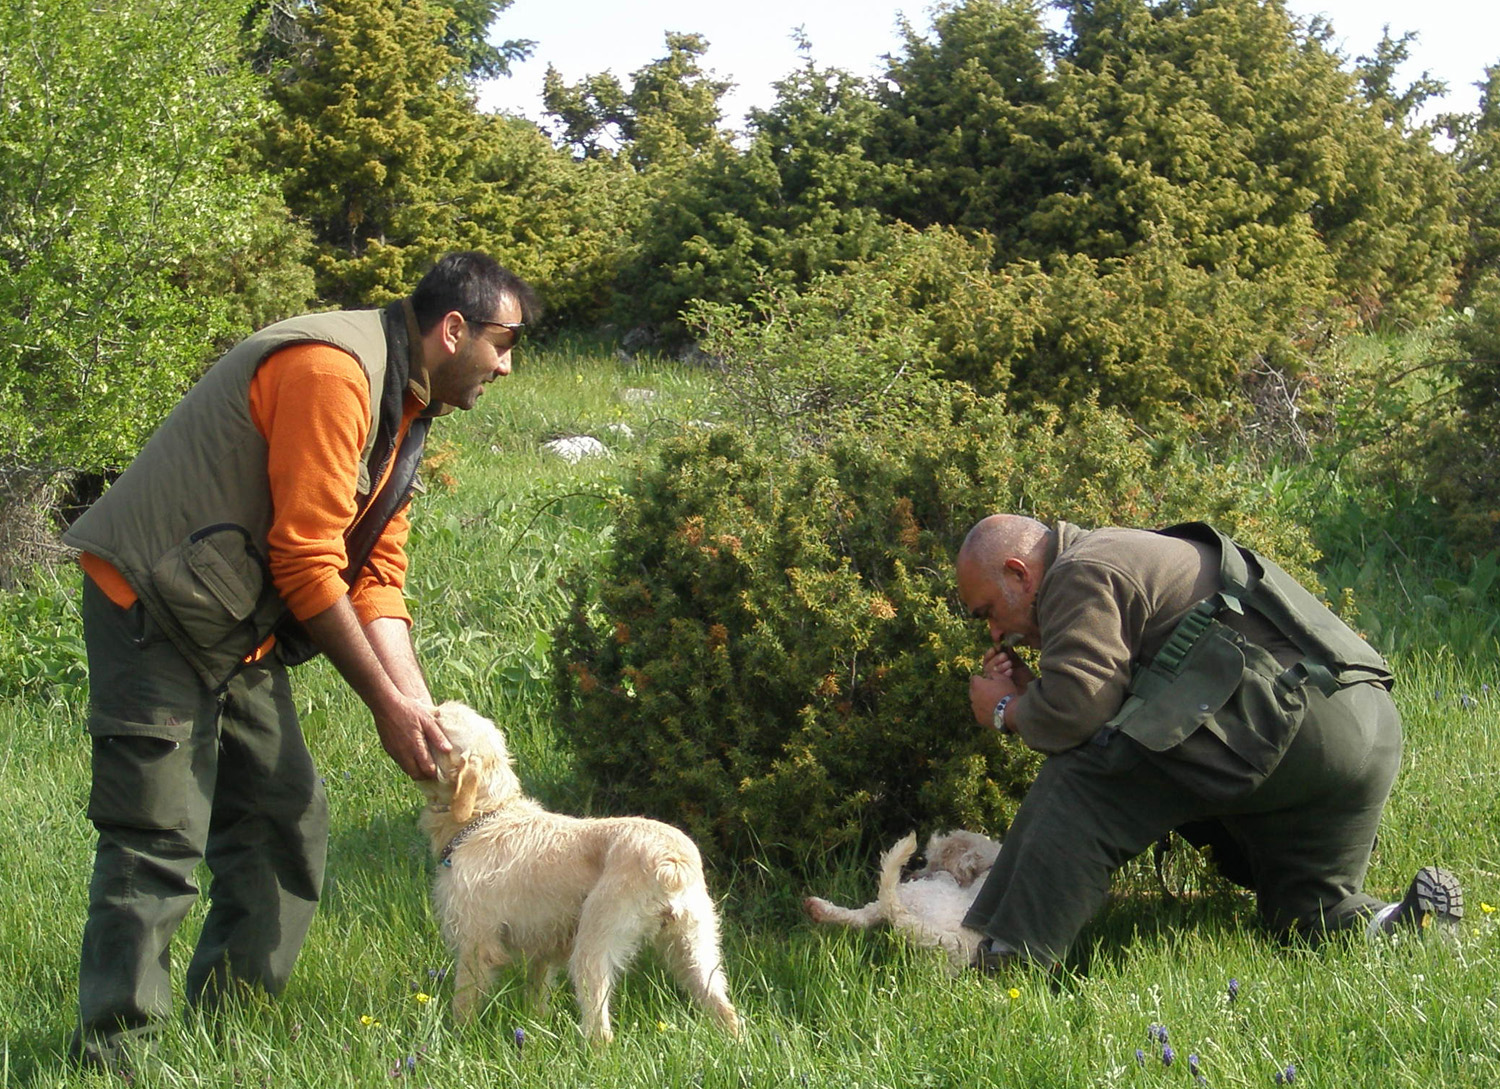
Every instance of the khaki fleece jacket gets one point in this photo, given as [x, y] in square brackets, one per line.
[1108, 600]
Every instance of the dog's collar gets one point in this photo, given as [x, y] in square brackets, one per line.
[465, 832]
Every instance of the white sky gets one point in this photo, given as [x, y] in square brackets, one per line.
[751, 44]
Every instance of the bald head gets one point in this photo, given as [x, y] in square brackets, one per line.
[999, 569]
[1000, 537]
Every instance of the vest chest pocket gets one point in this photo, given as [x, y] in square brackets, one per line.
[212, 582]
[1221, 723]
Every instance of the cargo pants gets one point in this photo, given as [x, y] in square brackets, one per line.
[183, 774]
[1304, 836]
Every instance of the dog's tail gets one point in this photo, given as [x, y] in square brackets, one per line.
[677, 870]
[891, 865]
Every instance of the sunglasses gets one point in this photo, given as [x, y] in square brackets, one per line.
[512, 327]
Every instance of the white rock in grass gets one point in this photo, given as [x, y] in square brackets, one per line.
[574, 448]
[637, 396]
[621, 430]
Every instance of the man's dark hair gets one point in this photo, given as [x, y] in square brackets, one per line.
[472, 283]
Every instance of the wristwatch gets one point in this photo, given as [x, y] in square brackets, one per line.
[999, 719]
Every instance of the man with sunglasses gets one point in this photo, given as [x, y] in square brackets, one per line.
[264, 522]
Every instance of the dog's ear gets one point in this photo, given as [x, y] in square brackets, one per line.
[966, 866]
[465, 787]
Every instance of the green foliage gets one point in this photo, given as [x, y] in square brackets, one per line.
[279, 31]
[563, 226]
[1377, 79]
[1162, 207]
[1224, 127]
[1147, 334]
[670, 113]
[801, 366]
[1460, 453]
[382, 152]
[468, 38]
[377, 141]
[967, 118]
[120, 204]
[798, 201]
[773, 656]
[1477, 158]
[41, 639]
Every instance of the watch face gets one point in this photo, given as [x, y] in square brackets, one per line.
[1000, 712]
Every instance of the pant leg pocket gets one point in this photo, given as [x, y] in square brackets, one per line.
[142, 778]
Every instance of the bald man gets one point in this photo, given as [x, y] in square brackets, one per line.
[1183, 683]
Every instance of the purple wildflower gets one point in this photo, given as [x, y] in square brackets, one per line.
[1234, 988]
[1167, 1054]
[1140, 1057]
[1291, 1073]
[519, 1036]
[1193, 1063]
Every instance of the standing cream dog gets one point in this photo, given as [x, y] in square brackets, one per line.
[520, 883]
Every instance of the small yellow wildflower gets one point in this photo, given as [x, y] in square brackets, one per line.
[423, 998]
[1488, 909]
[661, 1026]
[366, 1019]
[1014, 992]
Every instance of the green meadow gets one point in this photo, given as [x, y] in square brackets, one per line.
[368, 1005]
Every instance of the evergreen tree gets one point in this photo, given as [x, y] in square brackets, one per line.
[468, 38]
[801, 199]
[967, 120]
[1377, 79]
[281, 29]
[1477, 155]
[1224, 123]
[670, 113]
[378, 142]
[123, 218]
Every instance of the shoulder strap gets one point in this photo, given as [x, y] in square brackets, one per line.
[1336, 655]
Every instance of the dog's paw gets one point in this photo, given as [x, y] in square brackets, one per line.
[817, 909]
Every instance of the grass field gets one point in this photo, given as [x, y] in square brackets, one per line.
[368, 1004]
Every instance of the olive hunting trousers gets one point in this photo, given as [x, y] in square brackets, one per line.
[183, 775]
[1303, 838]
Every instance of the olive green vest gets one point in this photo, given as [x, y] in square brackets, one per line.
[186, 524]
[1335, 655]
[1217, 711]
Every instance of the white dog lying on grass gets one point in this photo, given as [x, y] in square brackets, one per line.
[520, 883]
[928, 907]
